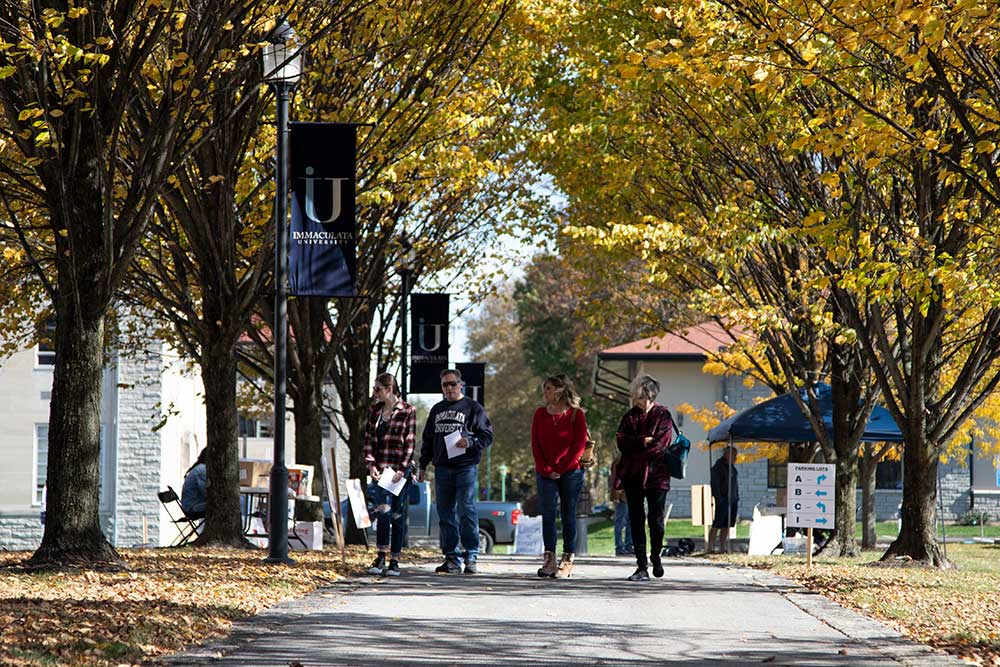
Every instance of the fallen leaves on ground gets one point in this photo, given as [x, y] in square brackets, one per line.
[167, 600]
[954, 610]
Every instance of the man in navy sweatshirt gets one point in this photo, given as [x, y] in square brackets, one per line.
[456, 468]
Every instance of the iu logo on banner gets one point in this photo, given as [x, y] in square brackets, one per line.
[428, 341]
[322, 244]
[474, 376]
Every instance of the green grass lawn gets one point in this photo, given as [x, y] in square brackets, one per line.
[601, 537]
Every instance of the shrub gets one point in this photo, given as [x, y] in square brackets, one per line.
[973, 517]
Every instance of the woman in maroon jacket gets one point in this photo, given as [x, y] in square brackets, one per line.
[558, 438]
[644, 434]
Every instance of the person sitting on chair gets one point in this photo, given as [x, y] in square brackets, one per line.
[194, 493]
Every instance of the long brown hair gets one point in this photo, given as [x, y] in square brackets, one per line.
[567, 393]
[388, 380]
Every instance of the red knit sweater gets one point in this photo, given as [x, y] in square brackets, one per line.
[555, 448]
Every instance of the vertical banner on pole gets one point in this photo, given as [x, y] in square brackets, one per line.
[322, 244]
[474, 376]
[428, 341]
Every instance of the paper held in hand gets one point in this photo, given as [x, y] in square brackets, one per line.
[385, 481]
[451, 444]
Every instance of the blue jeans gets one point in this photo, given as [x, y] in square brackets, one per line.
[391, 516]
[455, 489]
[563, 492]
[623, 531]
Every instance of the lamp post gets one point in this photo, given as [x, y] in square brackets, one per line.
[407, 264]
[282, 70]
[503, 482]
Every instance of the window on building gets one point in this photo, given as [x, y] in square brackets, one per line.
[985, 471]
[889, 475]
[255, 428]
[248, 427]
[326, 429]
[46, 353]
[41, 460]
[777, 474]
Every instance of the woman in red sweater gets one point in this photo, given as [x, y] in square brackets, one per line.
[558, 438]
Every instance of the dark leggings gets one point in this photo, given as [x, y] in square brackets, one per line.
[637, 497]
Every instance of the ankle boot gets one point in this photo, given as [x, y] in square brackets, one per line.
[548, 568]
[565, 566]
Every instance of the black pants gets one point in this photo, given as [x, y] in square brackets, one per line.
[637, 499]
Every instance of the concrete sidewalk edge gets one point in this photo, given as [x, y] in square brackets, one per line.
[862, 629]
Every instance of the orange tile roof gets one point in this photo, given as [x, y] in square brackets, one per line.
[692, 341]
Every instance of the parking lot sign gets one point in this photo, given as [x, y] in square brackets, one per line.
[811, 494]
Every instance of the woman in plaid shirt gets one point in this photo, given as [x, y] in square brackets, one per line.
[389, 438]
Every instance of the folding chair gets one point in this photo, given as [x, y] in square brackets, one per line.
[187, 526]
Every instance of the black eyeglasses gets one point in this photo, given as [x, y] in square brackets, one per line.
[450, 383]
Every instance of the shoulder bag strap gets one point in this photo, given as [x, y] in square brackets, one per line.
[673, 425]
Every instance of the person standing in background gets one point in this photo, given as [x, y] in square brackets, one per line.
[623, 528]
[726, 494]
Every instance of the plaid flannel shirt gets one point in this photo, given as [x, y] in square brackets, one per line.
[396, 451]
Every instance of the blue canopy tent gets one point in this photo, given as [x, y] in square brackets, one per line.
[780, 420]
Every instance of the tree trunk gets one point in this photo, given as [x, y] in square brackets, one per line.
[849, 412]
[73, 529]
[223, 522]
[802, 452]
[355, 402]
[845, 542]
[353, 387]
[307, 318]
[917, 539]
[308, 450]
[868, 535]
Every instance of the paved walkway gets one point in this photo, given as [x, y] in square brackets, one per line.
[697, 614]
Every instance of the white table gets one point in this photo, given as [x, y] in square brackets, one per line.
[256, 505]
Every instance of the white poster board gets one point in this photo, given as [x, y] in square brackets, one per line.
[765, 534]
[812, 489]
[358, 506]
[528, 538]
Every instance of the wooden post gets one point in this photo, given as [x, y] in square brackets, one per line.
[332, 484]
[809, 547]
[701, 508]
